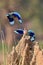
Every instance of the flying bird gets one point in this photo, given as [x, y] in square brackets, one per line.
[11, 19]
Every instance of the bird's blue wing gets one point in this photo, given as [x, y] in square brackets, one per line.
[19, 31]
[16, 14]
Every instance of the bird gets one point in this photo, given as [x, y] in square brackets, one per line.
[30, 33]
[11, 19]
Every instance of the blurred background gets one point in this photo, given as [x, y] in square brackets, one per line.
[32, 15]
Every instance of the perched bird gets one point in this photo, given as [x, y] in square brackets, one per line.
[11, 19]
[30, 33]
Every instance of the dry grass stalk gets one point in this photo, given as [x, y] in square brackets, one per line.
[26, 53]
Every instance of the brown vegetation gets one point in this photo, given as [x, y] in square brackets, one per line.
[26, 53]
